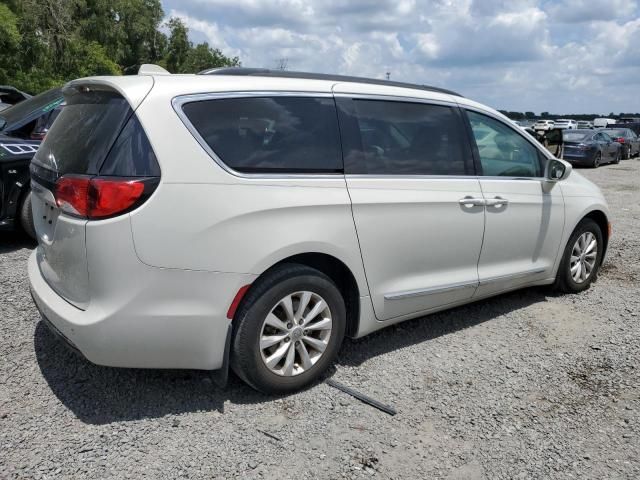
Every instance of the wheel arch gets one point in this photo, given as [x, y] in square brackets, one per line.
[338, 272]
[602, 220]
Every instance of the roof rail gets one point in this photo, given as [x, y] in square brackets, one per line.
[151, 69]
[265, 72]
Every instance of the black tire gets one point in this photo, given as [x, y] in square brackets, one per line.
[564, 280]
[616, 159]
[266, 292]
[627, 152]
[595, 163]
[26, 216]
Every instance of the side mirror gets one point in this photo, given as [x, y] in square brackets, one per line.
[557, 170]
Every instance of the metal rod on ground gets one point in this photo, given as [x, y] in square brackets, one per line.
[362, 397]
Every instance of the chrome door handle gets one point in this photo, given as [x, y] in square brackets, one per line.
[496, 202]
[474, 202]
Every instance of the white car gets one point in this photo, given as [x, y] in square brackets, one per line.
[254, 218]
[566, 124]
[543, 125]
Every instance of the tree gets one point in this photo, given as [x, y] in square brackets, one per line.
[178, 45]
[45, 43]
[529, 115]
[202, 56]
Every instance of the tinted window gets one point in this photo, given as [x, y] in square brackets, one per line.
[401, 138]
[503, 151]
[270, 134]
[131, 155]
[83, 133]
[576, 137]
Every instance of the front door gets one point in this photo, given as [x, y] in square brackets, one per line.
[417, 206]
[524, 217]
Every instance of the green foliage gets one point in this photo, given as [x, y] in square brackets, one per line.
[45, 43]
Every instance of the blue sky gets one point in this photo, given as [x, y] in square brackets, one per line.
[564, 56]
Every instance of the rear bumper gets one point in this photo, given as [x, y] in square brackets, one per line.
[170, 319]
[578, 159]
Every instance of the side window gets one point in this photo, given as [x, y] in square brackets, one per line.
[270, 134]
[402, 138]
[502, 151]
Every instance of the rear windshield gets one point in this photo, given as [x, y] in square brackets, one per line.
[37, 105]
[616, 133]
[575, 137]
[84, 131]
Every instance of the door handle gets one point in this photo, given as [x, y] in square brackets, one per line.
[496, 202]
[471, 201]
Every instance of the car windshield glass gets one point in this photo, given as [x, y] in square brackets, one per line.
[575, 137]
[44, 102]
[616, 133]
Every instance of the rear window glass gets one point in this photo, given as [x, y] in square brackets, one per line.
[575, 137]
[616, 133]
[83, 133]
[270, 134]
[131, 155]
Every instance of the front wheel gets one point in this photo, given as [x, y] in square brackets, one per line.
[288, 330]
[581, 259]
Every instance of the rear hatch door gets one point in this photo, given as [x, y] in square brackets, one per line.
[77, 144]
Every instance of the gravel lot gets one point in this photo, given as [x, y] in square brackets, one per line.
[525, 385]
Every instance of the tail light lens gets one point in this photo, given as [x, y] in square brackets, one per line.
[101, 197]
[620, 139]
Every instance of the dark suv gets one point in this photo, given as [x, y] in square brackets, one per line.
[22, 128]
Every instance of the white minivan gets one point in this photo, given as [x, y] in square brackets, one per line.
[253, 218]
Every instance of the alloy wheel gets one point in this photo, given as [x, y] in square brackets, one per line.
[295, 333]
[583, 257]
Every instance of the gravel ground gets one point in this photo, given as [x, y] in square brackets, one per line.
[525, 385]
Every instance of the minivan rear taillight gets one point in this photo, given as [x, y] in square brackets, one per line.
[101, 197]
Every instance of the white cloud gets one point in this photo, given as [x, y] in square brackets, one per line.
[512, 54]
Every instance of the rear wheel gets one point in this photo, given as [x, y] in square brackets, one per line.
[617, 157]
[288, 330]
[596, 160]
[26, 216]
[581, 259]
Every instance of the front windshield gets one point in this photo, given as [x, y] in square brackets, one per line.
[44, 102]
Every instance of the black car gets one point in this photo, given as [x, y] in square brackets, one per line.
[590, 148]
[10, 96]
[22, 128]
[627, 138]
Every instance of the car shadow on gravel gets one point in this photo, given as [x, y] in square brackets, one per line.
[423, 329]
[12, 241]
[101, 395]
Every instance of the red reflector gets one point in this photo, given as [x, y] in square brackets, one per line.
[236, 301]
[95, 198]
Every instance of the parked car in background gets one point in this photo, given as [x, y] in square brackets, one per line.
[603, 122]
[590, 148]
[627, 138]
[256, 217]
[629, 120]
[543, 125]
[633, 126]
[10, 96]
[22, 127]
[583, 124]
[565, 124]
